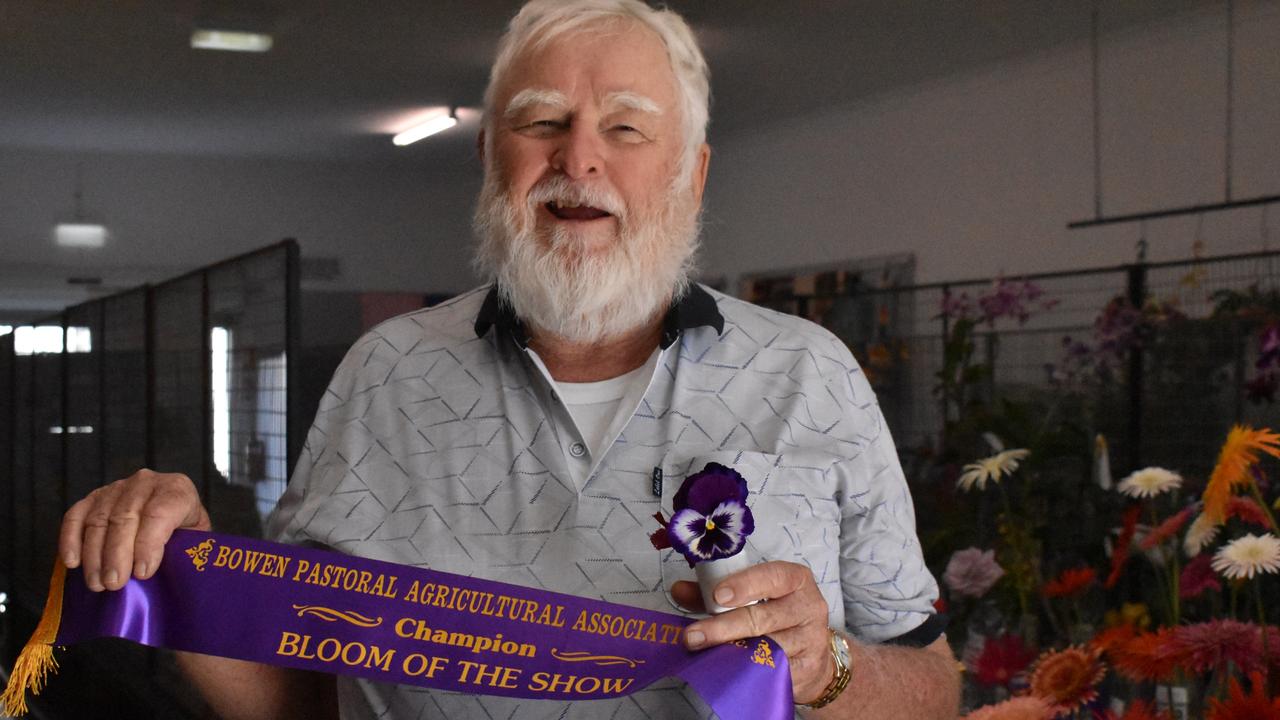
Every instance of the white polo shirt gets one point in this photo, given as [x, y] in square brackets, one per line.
[442, 442]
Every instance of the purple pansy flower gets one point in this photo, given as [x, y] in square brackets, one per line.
[711, 519]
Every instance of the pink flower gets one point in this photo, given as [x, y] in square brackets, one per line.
[1209, 646]
[972, 572]
[1197, 577]
[1019, 708]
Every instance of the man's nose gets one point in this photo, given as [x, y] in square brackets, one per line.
[579, 153]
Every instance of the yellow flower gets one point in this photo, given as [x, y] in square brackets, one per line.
[1149, 482]
[993, 468]
[1239, 453]
[1201, 532]
[1247, 556]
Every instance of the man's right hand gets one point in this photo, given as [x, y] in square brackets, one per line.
[121, 528]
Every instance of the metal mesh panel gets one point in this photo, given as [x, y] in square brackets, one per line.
[84, 401]
[178, 415]
[124, 384]
[47, 458]
[23, 504]
[247, 304]
[7, 409]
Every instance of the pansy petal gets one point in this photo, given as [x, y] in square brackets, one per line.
[703, 490]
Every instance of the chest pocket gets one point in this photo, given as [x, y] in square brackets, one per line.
[793, 502]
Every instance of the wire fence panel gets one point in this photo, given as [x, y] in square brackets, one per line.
[124, 384]
[8, 408]
[83, 422]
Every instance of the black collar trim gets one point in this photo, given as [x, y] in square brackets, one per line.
[696, 308]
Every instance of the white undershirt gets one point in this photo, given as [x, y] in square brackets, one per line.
[594, 406]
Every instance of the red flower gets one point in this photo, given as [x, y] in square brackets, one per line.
[1167, 529]
[1197, 577]
[1248, 511]
[1067, 679]
[1070, 582]
[1209, 646]
[1129, 524]
[1150, 656]
[1238, 706]
[1002, 659]
[1114, 637]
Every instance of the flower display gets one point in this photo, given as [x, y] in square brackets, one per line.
[1240, 706]
[1202, 532]
[1198, 578]
[1148, 657]
[1003, 658]
[1070, 582]
[972, 572]
[1238, 455]
[993, 468]
[1249, 555]
[711, 519]
[1150, 482]
[1120, 554]
[1171, 526]
[1247, 510]
[1067, 679]
[1210, 646]
[1019, 708]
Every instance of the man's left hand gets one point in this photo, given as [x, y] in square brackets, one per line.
[794, 614]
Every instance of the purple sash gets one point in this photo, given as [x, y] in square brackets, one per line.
[299, 607]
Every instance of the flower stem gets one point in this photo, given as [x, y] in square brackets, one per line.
[1257, 495]
[1262, 628]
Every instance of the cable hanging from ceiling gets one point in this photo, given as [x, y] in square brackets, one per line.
[1228, 203]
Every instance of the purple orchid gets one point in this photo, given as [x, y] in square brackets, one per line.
[711, 520]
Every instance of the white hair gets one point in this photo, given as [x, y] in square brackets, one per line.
[541, 21]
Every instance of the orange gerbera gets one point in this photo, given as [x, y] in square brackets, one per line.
[1239, 706]
[1114, 638]
[1067, 679]
[1152, 656]
[1239, 453]
[1070, 582]
[1019, 708]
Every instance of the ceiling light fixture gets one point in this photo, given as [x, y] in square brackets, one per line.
[439, 123]
[80, 233]
[232, 40]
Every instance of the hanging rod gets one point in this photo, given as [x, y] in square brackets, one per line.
[1171, 212]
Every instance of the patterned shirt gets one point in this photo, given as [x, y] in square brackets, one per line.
[442, 443]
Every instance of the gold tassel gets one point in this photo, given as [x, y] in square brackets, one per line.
[35, 662]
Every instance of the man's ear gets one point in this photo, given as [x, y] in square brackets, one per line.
[699, 180]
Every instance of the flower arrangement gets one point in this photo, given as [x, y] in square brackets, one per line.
[1214, 651]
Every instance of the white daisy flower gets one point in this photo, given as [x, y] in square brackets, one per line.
[1201, 532]
[992, 468]
[1247, 556]
[1149, 482]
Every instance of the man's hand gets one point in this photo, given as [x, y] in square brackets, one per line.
[794, 615]
[121, 528]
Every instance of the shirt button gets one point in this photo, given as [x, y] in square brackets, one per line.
[577, 449]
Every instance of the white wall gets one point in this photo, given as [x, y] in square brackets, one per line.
[392, 228]
[980, 174]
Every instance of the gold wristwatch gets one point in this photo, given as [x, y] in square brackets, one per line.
[840, 654]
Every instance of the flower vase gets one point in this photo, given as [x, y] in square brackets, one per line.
[711, 572]
[1175, 700]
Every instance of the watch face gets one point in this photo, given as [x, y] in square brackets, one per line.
[842, 649]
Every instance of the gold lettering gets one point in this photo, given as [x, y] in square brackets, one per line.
[302, 569]
[412, 595]
[221, 559]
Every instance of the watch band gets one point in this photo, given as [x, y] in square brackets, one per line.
[840, 654]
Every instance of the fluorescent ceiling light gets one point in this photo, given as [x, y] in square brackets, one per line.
[431, 127]
[233, 40]
[80, 235]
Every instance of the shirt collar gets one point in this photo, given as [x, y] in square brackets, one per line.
[695, 308]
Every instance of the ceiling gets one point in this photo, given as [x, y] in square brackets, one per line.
[118, 76]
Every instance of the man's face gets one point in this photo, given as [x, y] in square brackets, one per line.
[585, 219]
[600, 110]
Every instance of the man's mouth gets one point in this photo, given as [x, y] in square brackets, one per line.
[569, 211]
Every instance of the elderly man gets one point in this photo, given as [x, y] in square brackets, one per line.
[527, 431]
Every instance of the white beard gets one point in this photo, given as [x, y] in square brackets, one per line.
[553, 287]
